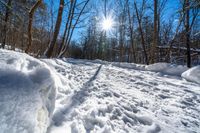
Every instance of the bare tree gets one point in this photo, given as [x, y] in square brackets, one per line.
[139, 18]
[31, 14]
[8, 11]
[71, 28]
[70, 13]
[155, 33]
[131, 29]
[187, 31]
[49, 50]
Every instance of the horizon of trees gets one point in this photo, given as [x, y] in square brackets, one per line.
[140, 34]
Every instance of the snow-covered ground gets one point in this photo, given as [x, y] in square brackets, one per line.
[96, 96]
[192, 74]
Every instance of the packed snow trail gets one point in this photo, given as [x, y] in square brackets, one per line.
[100, 97]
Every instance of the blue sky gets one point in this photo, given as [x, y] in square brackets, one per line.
[170, 10]
[55, 10]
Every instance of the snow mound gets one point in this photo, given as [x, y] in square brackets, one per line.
[167, 68]
[192, 74]
[129, 65]
[27, 94]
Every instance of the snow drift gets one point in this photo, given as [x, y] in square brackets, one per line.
[161, 67]
[167, 68]
[193, 74]
[27, 94]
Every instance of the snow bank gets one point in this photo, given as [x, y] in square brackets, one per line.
[167, 68]
[192, 74]
[162, 67]
[27, 94]
[129, 65]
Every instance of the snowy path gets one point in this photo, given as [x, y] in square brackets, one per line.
[97, 97]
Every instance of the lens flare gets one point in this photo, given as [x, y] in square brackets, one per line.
[107, 24]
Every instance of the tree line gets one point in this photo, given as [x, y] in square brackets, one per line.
[141, 32]
[31, 26]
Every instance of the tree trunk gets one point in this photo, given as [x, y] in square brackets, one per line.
[31, 14]
[68, 39]
[155, 34]
[4, 31]
[142, 34]
[49, 51]
[131, 32]
[66, 27]
[187, 34]
[69, 29]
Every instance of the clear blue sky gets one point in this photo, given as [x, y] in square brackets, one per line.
[170, 9]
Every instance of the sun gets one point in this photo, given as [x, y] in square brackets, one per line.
[107, 24]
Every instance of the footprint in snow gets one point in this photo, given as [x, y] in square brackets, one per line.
[164, 96]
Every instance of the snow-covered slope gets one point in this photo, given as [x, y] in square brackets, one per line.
[100, 97]
[166, 68]
[27, 94]
[193, 74]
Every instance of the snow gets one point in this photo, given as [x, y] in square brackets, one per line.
[95, 96]
[161, 67]
[183, 48]
[27, 94]
[9, 47]
[104, 97]
[166, 68]
[192, 74]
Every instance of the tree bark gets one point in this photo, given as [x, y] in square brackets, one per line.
[49, 51]
[68, 39]
[142, 34]
[155, 34]
[31, 14]
[5, 23]
[66, 27]
[187, 34]
[131, 32]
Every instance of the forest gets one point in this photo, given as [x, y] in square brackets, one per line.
[136, 31]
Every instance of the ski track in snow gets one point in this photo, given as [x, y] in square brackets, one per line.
[96, 97]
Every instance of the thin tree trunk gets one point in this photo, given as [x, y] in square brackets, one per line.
[69, 28]
[52, 20]
[31, 14]
[71, 33]
[66, 28]
[131, 33]
[170, 43]
[5, 23]
[121, 40]
[142, 35]
[187, 30]
[155, 33]
[49, 51]
[158, 35]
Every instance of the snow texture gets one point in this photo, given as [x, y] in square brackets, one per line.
[95, 96]
[192, 74]
[102, 97]
[27, 94]
[166, 68]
